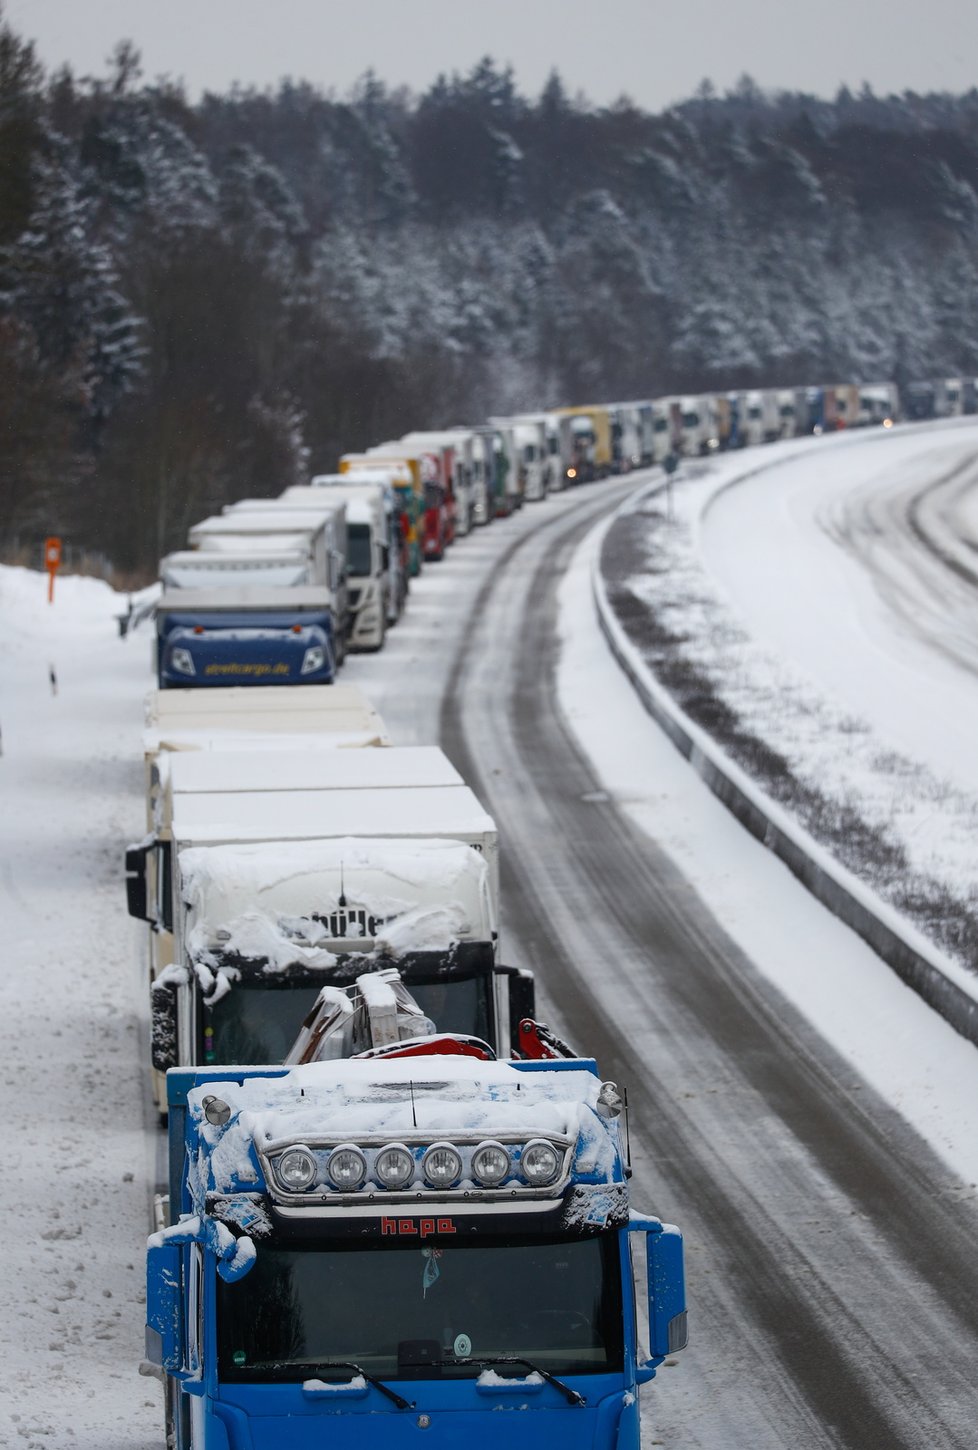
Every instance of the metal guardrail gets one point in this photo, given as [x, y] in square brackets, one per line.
[941, 982]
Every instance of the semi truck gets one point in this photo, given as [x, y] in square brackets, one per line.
[410, 1242]
[253, 718]
[585, 443]
[268, 872]
[525, 440]
[404, 475]
[390, 530]
[368, 555]
[222, 621]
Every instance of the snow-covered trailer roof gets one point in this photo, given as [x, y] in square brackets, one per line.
[271, 598]
[211, 818]
[239, 703]
[405, 766]
[261, 717]
[267, 519]
[215, 568]
[317, 504]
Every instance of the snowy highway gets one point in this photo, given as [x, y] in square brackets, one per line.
[807, 1121]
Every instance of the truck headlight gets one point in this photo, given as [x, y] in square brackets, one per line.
[347, 1167]
[539, 1163]
[490, 1164]
[313, 659]
[296, 1169]
[394, 1166]
[442, 1165]
[182, 661]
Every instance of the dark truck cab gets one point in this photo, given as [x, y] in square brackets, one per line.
[259, 635]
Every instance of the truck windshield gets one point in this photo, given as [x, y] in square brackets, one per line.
[358, 550]
[257, 1022]
[392, 1307]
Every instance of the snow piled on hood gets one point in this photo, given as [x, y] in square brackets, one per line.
[260, 900]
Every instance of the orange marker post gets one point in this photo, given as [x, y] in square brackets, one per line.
[52, 562]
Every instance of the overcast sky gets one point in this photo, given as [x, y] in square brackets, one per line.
[655, 50]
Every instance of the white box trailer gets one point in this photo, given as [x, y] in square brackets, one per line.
[263, 718]
[409, 767]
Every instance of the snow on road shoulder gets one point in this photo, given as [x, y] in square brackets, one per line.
[74, 1191]
[907, 834]
[891, 1039]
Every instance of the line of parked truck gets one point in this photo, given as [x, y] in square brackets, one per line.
[277, 590]
[395, 1202]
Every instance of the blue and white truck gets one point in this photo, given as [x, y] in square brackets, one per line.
[259, 598]
[400, 1249]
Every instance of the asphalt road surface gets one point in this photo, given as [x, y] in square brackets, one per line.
[833, 1278]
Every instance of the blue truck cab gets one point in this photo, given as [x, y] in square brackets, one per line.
[246, 634]
[380, 1251]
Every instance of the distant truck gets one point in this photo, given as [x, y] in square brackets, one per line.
[407, 1243]
[585, 443]
[220, 623]
[525, 442]
[368, 559]
[387, 532]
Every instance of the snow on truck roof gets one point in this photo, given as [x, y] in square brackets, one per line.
[210, 817]
[191, 707]
[338, 732]
[270, 597]
[408, 766]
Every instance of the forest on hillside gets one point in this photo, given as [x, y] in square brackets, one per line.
[202, 301]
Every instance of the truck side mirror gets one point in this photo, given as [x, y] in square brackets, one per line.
[164, 1316]
[668, 1331]
[163, 1024]
[522, 1003]
[164, 1311]
[137, 898]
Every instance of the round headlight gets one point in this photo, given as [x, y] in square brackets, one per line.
[394, 1166]
[442, 1165]
[347, 1167]
[490, 1164]
[296, 1169]
[539, 1162]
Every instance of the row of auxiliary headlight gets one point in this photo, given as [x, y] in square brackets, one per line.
[347, 1168]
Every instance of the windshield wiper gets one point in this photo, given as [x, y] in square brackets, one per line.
[570, 1395]
[399, 1400]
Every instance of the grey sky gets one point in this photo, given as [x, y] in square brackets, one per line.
[657, 52]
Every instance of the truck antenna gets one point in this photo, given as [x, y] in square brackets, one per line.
[342, 900]
[414, 1113]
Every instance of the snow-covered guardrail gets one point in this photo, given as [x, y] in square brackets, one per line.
[937, 978]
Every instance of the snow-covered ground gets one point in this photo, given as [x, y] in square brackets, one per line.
[80, 1150]
[77, 1154]
[813, 605]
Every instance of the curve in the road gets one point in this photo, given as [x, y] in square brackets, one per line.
[835, 1294]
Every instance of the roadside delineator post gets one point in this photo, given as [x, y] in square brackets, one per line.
[52, 562]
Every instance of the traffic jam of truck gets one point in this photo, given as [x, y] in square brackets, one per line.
[394, 1201]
